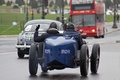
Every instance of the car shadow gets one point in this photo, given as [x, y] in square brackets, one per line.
[62, 76]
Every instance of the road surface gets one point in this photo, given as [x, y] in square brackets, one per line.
[13, 68]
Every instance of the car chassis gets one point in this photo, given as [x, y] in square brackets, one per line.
[62, 52]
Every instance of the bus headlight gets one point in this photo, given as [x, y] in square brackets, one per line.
[93, 30]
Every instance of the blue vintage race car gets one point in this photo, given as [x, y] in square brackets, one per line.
[59, 52]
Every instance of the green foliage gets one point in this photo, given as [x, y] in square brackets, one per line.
[9, 3]
[33, 3]
[2, 2]
[109, 18]
[6, 20]
[20, 2]
[108, 4]
[9, 30]
[51, 4]
[65, 2]
[5, 7]
[58, 3]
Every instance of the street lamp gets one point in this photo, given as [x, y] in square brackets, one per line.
[32, 12]
[115, 9]
[63, 12]
[27, 11]
[43, 14]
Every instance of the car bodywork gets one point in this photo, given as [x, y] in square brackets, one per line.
[25, 38]
[61, 52]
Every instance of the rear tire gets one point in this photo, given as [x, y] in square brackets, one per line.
[33, 61]
[84, 60]
[102, 36]
[95, 58]
[20, 54]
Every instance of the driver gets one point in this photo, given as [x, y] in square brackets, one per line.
[52, 31]
[70, 31]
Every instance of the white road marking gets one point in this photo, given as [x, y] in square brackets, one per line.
[5, 53]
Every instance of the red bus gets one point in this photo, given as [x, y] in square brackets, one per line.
[89, 17]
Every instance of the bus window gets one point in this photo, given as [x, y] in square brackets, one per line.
[83, 20]
[100, 18]
[77, 20]
[89, 20]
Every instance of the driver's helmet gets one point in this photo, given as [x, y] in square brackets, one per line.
[70, 26]
[53, 25]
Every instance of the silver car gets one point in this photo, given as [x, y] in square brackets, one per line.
[25, 38]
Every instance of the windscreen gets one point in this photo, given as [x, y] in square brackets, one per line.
[83, 20]
[32, 27]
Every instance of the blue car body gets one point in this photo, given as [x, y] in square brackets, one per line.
[59, 52]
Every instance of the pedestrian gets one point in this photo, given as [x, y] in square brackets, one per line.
[118, 18]
[58, 18]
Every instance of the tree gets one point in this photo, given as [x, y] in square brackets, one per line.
[51, 4]
[65, 2]
[117, 2]
[8, 3]
[108, 3]
[45, 2]
[20, 2]
[33, 3]
[2, 2]
[59, 4]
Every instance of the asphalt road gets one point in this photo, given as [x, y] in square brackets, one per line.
[13, 68]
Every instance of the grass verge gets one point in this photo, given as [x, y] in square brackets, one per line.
[6, 20]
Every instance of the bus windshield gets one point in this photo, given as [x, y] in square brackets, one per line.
[83, 20]
[81, 1]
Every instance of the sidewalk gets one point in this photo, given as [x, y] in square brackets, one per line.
[109, 29]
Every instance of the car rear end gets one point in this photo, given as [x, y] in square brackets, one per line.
[59, 52]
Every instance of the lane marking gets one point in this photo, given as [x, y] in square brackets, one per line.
[5, 53]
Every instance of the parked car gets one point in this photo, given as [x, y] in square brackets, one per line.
[109, 12]
[59, 12]
[25, 38]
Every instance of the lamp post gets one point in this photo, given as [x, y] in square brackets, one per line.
[43, 14]
[115, 9]
[63, 12]
[32, 12]
[27, 11]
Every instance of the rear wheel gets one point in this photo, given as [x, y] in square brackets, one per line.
[33, 62]
[95, 58]
[20, 54]
[84, 60]
[102, 36]
[96, 37]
